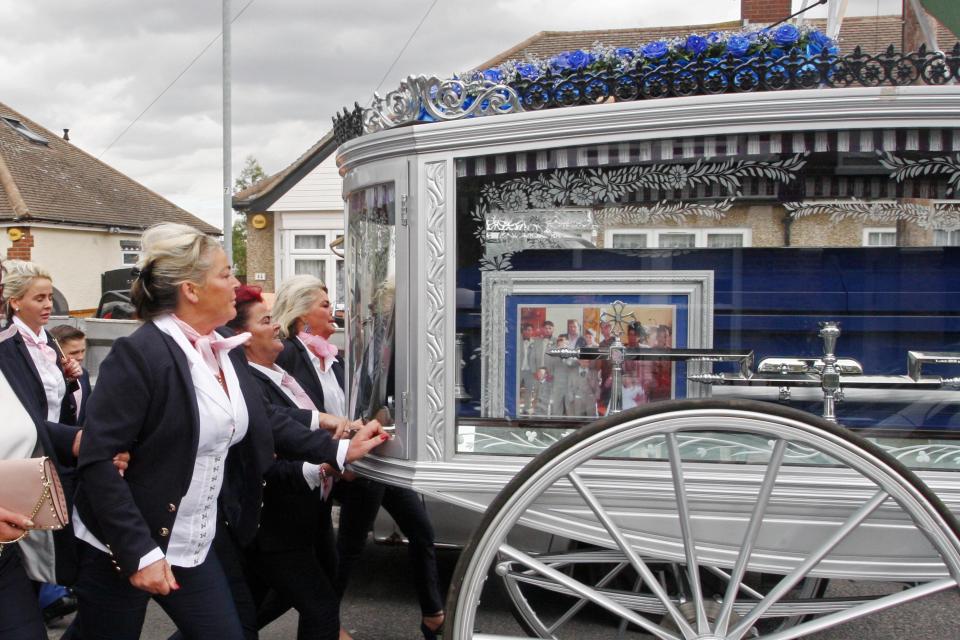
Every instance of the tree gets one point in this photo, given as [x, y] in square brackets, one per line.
[240, 246]
[251, 174]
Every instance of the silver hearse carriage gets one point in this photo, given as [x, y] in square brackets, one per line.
[693, 358]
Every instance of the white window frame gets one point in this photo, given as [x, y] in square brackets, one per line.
[867, 231]
[948, 232]
[700, 234]
[130, 251]
[326, 255]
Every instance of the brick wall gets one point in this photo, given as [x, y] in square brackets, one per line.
[260, 243]
[765, 10]
[22, 249]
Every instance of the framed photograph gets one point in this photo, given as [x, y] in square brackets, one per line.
[526, 313]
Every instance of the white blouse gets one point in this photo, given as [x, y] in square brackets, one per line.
[54, 386]
[18, 437]
[223, 423]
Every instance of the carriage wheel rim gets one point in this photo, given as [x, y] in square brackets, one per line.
[561, 460]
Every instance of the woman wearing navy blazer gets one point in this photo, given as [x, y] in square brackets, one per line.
[27, 433]
[296, 511]
[173, 395]
[305, 315]
[28, 303]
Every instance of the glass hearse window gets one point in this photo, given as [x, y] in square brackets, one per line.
[371, 232]
[794, 230]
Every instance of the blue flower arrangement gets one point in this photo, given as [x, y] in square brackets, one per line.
[781, 41]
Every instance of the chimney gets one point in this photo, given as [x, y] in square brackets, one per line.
[66, 134]
[764, 11]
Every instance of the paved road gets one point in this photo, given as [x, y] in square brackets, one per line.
[381, 605]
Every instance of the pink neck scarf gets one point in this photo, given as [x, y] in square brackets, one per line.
[8, 333]
[39, 343]
[320, 348]
[303, 400]
[210, 345]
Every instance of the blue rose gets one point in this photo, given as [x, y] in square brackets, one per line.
[625, 52]
[528, 71]
[559, 62]
[785, 35]
[654, 50]
[493, 75]
[578, 59]
[738, 45]
[776, 53]
[713, 36]
[817, 42]
[696, 44]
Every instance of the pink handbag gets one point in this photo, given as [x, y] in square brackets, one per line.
[31, 486]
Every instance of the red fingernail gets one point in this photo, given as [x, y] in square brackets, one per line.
[384, 437]
[176, 586]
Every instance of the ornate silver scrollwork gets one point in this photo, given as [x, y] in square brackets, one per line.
[420, 98]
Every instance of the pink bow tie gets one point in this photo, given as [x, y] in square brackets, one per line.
[320, 348]
[41, 344]
[211, 344]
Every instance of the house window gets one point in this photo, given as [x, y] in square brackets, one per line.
[629, 240]
[673, 240]
[310, 254]
[677, 238]
[719, 240]
[880, 237]
[945, 238]
[129, 252]
[24, 131]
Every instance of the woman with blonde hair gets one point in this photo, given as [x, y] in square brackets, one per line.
[28, 304]
[174, 394]
[26, 433]
[303, 310]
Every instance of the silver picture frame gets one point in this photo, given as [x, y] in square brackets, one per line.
[695, 287]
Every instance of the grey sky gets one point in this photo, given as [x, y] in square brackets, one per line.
[93, 65]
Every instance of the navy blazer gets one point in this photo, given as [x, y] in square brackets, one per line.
[56, 441]
[34, 393]
[291, 509]
[296, 361]
[145, 403]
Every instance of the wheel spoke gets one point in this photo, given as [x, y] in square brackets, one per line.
[572, 611]
[587, 592]
[686, 530]
[811, 561]
[885, 602]
[743, 586]
[750, 537]
[622, 629]
[638, 564]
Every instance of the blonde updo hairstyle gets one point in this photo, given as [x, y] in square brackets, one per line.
[294, 298]
[18, 277]
[171, 255]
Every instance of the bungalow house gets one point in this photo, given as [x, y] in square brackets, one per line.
[70, 212]
[293, 218]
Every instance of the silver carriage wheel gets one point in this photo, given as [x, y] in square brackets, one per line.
[816, 502]
[606, 570]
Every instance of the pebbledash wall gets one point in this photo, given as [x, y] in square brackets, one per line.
[75, 257]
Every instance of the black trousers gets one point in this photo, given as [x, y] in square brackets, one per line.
[110, 608]
[20, 617]
[301, 577]
[359, 502]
